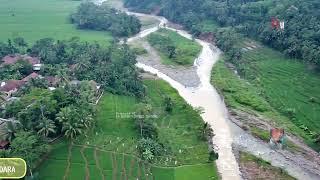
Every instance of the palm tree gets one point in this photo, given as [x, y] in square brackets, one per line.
[83, 62]
[46, 126]
[71, 125]
[62, 74]
[64, 114]
[72, 129]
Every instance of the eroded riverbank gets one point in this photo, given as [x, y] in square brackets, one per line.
[228, 135]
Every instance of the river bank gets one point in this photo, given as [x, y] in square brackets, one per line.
[229, 137]
[187, 76]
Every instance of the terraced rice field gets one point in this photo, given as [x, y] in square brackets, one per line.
[109, 151]
[85, 162]
[288, 85]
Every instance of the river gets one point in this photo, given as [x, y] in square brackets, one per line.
[205, 96]
[227, 134]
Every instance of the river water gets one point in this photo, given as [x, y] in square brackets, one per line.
[205, 96]
[215, 113]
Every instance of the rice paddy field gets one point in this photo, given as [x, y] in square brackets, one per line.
[285, 90]
[36, 19]
[109, 151]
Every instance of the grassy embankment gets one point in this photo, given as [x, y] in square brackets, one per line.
[169, 43]
[36, 19]
[250, 164]
[276, 87]
[110, 149]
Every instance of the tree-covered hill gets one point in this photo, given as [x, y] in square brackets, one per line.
[300, 38]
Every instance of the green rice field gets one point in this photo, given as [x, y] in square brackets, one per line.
[108, 151]
[288, 85]
[36, 19]
[285, 90]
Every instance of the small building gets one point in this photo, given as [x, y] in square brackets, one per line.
[31, 76]
[37, 67]
[52, 80]
[11, 86]
[12, 59]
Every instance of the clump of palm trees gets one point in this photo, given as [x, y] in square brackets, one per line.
[67, 111]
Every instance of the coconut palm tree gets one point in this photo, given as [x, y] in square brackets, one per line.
[72, 129]
[45, 127]
[62, 74]
[71, 124]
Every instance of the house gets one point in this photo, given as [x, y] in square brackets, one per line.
[52, 81]
[37, 67]
[12, 59]
[11, 86]
[31, 76]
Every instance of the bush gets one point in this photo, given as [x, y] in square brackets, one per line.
[213, 156]
[148, 148]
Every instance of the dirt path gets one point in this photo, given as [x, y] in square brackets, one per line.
[85, 162]
[98, 163]
[66, 173]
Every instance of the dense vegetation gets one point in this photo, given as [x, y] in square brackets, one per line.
[271, 100]
[112, 67]
[299, 39]
[36, 19]
[127, 134]
[92, 16]
[173, 48]
[44, 114]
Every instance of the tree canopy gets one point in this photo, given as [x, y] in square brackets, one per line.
[299, 39]
[92, 16]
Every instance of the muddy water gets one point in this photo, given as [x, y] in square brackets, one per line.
[215, 113]
[204, 96]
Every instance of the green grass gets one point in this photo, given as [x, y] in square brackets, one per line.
[263, 93]
[36, 19]
[288, 85]
[190, 172]
[186, 50]
[174, 128]
[115, 139]
[260, 169]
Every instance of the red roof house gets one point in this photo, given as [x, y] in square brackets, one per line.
[11, 85]
[12, 59]
[30, 76]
